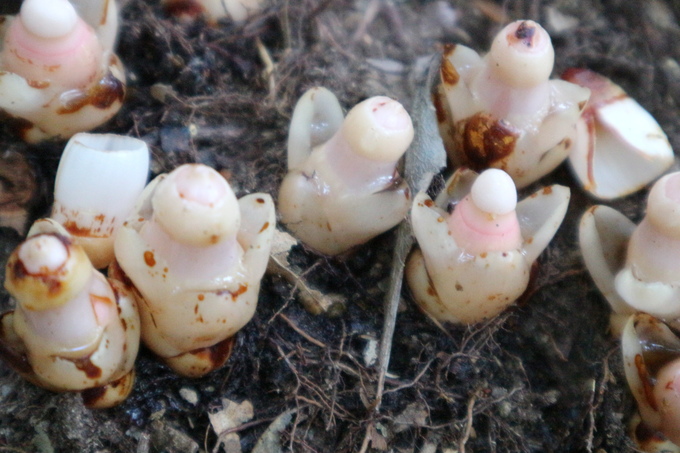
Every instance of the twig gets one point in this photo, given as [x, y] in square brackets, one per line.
[413, 382]
[468, 424]
[302, 333]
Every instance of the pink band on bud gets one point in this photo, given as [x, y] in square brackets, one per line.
[477, 232]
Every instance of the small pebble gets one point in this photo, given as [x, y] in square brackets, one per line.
[189, 395]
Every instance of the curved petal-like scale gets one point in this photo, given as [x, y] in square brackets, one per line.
[619, 148]
[604, 234]
[539, 216]
[316, 118]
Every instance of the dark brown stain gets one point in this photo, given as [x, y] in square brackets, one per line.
[264, 227]
[483, 141]
[85, 365]
[18, 126]
[260, 200]
[220, 352]
[547, 190]
[114, 391]
[124, 323]
[448, 72]
[92, 396]
[646, 436]
[17, 271]
[459, 287]
[440, 110]
[196, 309]
[429, 203]
[328, 226]
[188, 8]
[525, 34]
[646, 379]
[149, 258]
[102, 95]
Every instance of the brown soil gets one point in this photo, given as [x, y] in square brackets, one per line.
[544, 376]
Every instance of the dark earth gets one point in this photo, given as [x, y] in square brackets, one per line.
[545, 376]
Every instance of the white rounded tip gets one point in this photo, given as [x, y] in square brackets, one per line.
[494, 192]
[379, 129]
[195, 206]
[663, 204]
[522, 54]
[48, 18]
[201, 185]
[43, 254]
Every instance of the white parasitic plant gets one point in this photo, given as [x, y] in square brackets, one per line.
[99, 179]
[474, 262]
[502, 110]
[343, 187]
[59, 74]
[72, 328]
[196, 255]
[637, 268]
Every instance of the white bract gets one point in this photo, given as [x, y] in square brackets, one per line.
[72, 329]
[196, 255]
[343, 188]
[637, 268]
[58, 73]
[618, 147]
[502, 111]
[98, 181]
[473, 263]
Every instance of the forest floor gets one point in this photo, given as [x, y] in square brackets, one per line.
[545, 376]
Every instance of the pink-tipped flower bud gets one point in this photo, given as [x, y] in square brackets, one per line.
[48, 42]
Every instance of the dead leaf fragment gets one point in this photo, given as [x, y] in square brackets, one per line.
[313, 300]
